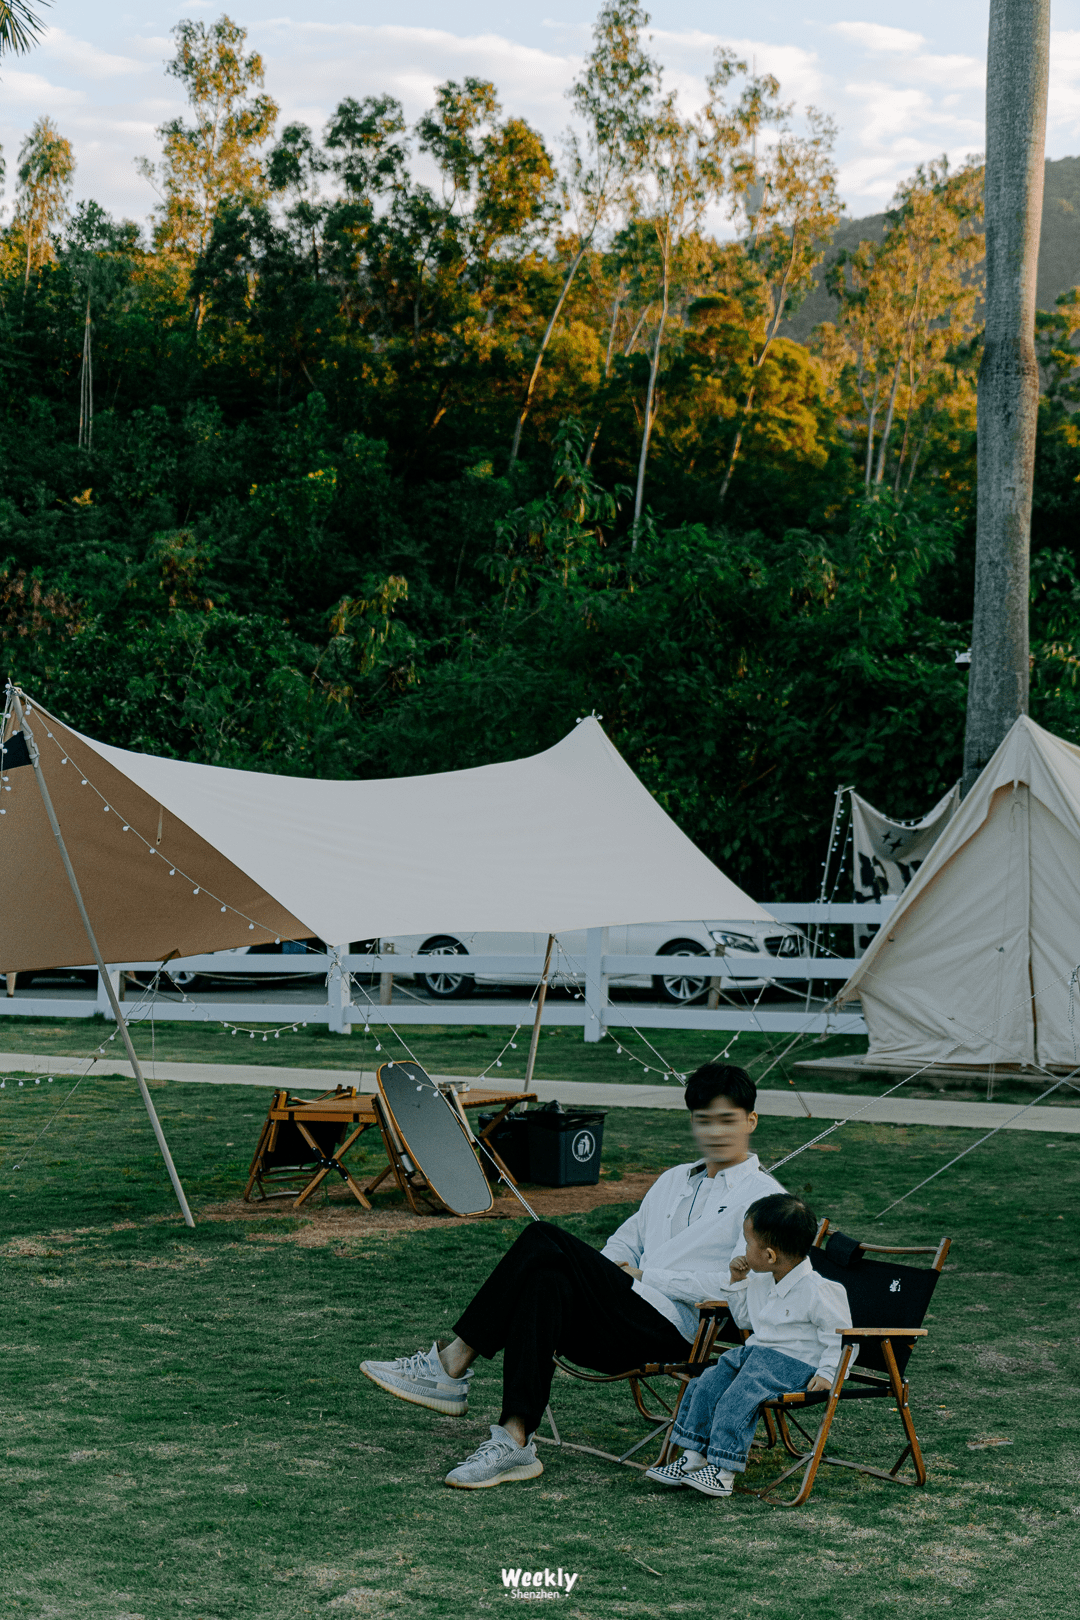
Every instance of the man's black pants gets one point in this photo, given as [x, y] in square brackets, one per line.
[551, 1293]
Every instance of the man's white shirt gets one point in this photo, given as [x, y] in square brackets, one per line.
[685, 1233]
[798, 1315]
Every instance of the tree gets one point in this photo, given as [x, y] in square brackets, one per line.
[1017, 70]
[610, 98]
[20, 26]
[791, 226]
[46, 165]
[217, 156]
[684, 165]
[906, 303]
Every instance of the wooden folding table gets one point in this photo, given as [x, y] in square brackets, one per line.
[304, 1139]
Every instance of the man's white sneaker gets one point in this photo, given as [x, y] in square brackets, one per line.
[423, 1380]
[672, 1473]
[497, 1462]
[711, 1481]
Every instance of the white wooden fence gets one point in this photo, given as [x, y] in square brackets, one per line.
[348, 1003]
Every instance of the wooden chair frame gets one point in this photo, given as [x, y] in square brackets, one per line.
[854, 1385]
[779, 1414]
[313, 1173]
[684, 1372]
[710, 1321]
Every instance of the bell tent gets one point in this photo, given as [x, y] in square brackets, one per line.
[975, 965]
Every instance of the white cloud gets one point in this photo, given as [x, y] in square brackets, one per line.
[37, 94]
[1063, 110]
[87, 60]
[319, 63]
[878, 37]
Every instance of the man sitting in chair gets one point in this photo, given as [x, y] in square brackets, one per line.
[629, 1304]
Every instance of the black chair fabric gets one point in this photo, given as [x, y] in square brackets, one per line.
[290, 1151]
[881, 1293]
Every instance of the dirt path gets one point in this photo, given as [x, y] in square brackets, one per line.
[328, 1223]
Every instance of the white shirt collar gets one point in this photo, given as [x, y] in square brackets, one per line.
[730, 1173]
[795, 1275]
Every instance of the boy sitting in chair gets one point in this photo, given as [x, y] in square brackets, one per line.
[795, 1314]
[632, 1304]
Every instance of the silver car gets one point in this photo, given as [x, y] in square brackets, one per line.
[760, 947]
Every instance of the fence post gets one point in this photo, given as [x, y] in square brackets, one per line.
[338, 996]
[596, 1001]
[104, 1005]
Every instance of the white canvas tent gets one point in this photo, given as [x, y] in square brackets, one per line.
[173, 856]
[974, 965]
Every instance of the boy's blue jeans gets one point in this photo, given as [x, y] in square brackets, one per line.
[720, 1416]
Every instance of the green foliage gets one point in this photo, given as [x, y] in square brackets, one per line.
[368, 437]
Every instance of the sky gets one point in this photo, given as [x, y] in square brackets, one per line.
[904, 83]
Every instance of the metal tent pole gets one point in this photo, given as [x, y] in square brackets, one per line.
[540, 999]
[35, 760]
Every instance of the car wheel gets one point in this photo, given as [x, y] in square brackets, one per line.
[186, 980]
[445, 986]
[681, 988]
[23, 981]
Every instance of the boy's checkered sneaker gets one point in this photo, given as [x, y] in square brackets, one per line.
[497, 1462]
[711, 1481]
[423, 1380]
[672, 1473]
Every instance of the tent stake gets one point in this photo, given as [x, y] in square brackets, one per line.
[540, 999]
[35, 760]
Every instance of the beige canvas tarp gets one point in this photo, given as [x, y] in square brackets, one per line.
[173, 856]
[974, 965]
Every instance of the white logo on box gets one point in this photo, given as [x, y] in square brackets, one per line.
[583, 1146]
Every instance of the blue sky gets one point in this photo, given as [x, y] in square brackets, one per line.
[904, 82]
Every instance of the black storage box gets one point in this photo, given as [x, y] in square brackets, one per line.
[511, 1142]
[564, 1148]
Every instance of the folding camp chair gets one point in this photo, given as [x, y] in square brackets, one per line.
[888, 1302]
[303, 1140]
[715, 1326]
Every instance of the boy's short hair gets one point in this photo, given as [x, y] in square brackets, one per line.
[785, 1223]
[720, 1080]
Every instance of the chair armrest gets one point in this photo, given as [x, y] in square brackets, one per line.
[709, 1307]
[883, 1333]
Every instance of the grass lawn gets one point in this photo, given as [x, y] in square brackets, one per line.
[186, 1436]
[469, 1049]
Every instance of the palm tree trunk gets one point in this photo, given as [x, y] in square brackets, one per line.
[1016, 84]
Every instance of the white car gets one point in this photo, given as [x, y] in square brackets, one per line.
[757, 945]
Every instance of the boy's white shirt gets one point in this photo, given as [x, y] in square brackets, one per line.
[680, 1267]
[798, 1315]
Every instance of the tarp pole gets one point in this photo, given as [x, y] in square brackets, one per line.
[35, 760]
[540, 999]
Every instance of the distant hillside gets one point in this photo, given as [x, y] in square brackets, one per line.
[1059, 250]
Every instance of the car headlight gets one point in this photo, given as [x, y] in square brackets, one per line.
[737, 942]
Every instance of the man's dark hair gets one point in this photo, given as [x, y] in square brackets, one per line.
[720, 1080]
[784, 1223]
